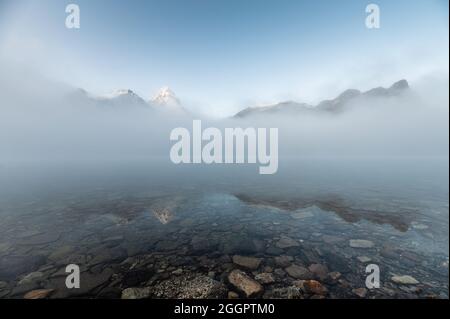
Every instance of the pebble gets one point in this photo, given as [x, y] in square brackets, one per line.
[283, 261]
[419, 226]
[211, 274]
[286, 242]
[189, 286]
[38, 294]
[301, 215]
[361, 243]
[360, 292]
[268, 269]
[31, 277]
[334, 275]
[247, 262]
[61, 253]
[136, 293]
[404, 280]
[364, 259]
[279, 272]
[265, 278]
[314, 287]
[299, 272]
[321, 271]
[177, 272]
[4, 247]
[232, 295]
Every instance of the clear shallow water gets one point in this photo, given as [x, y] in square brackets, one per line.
[135, 224]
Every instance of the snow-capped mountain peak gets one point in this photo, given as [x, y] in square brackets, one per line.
[167, 97]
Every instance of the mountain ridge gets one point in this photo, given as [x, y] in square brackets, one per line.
[166, 102]
[335, 105]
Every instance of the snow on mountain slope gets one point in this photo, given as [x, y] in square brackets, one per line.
[167, 101]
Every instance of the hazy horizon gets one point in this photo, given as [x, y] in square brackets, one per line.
[220, 57]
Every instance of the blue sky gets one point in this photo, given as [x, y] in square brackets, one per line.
[222, 55]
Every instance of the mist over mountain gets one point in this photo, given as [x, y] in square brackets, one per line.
[165, 102]
[49, 120]
[168, 104]
[120, 98]
[345, 100]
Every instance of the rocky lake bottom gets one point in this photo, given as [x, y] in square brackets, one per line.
[224, 242]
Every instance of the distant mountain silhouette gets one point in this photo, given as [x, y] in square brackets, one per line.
[333, 106]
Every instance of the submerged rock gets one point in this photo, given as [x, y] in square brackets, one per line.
[364, 259]
[12, 266]
[4, 247]
[247, 262]
[245, 284]
[190, 287]
[4, 293]
[232, 295]
[40, 238]
[201, 245]
[334, 276]
[164, 215]
[285, 293]
[279, 272]
[283, 261]
[31, 277]
[302, 215]
[265, 278]
[321, 271]
[419, 226]
[89, 282]
[405, 280]
[240, 245]
[299, 272]
[330, 239]
[361, 243]
[287, 242]
[167, 245]
[314, 287]
[360, 292]
[136, 293]
[61, 253]
[38, 294]
[178, 272]
[274, 251]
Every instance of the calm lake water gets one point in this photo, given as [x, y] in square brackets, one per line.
[153, 225]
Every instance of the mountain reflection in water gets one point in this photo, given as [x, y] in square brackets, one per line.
[162, 228]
